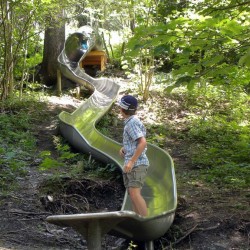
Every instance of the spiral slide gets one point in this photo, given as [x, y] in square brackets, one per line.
[79, 129]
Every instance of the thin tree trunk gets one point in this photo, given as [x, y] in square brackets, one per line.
[7, 80]
[24, 74]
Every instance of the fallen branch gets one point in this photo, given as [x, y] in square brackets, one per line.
[13, 232]
[208, 228]
[21, 212]
[193, 229]
[182, 238]
[29, 219]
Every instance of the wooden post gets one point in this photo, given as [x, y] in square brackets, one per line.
[59, 82]
[78, 92]
[94, 236]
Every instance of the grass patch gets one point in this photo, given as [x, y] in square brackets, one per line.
[212, 123]
[219, 136]
[228, 175]
[17, 142]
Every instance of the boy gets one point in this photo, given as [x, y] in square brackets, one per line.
[134, 153]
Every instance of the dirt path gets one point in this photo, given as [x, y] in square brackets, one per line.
[207, 217]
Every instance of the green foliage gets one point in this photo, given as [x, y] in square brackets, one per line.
[229, 175]
[202, 46]
[63, 149]
[21, 43]
[158, 134]
[107, 121]
[95, 169]
[17, 142]
[219, 141]
[65, 156]
[48, 162]
[245, 59]
[219, 135]
[212, 123]
[117, 55]
[75, 164]
[132, 245]
[18, 146]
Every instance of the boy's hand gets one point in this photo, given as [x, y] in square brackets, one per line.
[128, 167]
[122, 153]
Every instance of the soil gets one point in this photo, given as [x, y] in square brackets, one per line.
[207, 217]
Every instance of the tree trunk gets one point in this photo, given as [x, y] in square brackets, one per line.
[7, 79]
[53, 44]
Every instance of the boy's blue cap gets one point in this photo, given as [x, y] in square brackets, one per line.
[128, 102]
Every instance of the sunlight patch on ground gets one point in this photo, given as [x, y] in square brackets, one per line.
[64, 100]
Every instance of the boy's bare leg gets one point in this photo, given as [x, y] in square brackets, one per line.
[138, 202]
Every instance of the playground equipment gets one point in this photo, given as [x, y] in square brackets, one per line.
[79, 129]
[95, 57]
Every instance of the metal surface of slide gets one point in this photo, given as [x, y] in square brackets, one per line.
[79, 129]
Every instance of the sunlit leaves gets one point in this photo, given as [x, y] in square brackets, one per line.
[200, 43]
[211, 61]
[245, 59]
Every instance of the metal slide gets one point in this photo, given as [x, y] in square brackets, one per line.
[79, 129]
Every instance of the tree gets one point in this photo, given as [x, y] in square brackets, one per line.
[56, 14]
[20, 31]
[8, 58]
[205, 43]
[22, 22]
[53, 44]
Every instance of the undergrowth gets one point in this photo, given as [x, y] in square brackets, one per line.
[18, 150]
[219, 136]
[74, 164]
[212, 121]
[17, 142]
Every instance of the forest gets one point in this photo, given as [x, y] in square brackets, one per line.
[188, 63]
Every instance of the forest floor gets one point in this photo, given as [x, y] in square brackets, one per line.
[208, 217]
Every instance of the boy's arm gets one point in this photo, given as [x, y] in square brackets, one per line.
[142, 143]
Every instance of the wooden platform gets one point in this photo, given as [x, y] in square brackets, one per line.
[95, 57]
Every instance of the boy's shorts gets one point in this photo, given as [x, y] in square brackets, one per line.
[136, 177]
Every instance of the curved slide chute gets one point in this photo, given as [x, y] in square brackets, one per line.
[79, 129]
